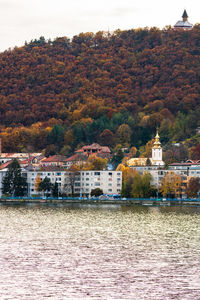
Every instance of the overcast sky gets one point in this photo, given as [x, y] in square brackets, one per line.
[23, 20]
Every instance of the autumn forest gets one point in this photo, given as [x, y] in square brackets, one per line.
[114, 89]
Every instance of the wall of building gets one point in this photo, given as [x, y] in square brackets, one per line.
[84, 182]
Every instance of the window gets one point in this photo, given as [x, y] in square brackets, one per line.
[77, 184]
[87, 173]
[110, 190]
[118, 174]
[110, 184]
[110, 173]
[97, 173]
[97, 184]
[87, 184]
[87, 179]
[58, 173]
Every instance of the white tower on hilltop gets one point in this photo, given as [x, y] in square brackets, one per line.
[157, 151]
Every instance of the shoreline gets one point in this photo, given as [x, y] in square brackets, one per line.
[127, 202]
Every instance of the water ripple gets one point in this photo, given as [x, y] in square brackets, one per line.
[123, 253]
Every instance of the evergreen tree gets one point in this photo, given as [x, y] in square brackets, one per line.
[148, 162]
[56, 136]
[55, 189]
[45, 185]
[117, 158]
[13, 182]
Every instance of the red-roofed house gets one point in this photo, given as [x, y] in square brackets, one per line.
[55, 160]
[101, 151]
[77, 159]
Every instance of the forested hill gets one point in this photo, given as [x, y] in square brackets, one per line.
[143, 78]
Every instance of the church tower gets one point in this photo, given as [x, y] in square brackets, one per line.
[157, 151]
[183, 24]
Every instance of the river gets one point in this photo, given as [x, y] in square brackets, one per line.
[106, 252]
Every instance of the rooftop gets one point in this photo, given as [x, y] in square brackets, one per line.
[54, 158]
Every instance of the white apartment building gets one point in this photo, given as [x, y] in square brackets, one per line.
[110, 182]
[55, 175]
[83, 181]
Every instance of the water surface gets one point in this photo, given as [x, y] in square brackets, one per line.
[99, 253]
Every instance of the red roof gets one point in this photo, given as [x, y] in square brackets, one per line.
[54, 158]
[76, 157]
[5, 165]
[105, 149]
[94, 146]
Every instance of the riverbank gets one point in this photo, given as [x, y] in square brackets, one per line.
[124, 202]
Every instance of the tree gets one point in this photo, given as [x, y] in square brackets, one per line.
[56, 136]
[106, 138]
[96, 163]
[124, 134]
[141, 186]
[38, 180]
[175, 153]
[148, 148]
[171, 185]
[148, 162]
[193, 187]
[71, 173]
[127, 180]
[96, 192]
[196, 151]
[132, 152]
[13, 182]
[55, 189]
[45, 185]
[117, 158]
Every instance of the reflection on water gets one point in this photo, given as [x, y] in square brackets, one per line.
[99, 253]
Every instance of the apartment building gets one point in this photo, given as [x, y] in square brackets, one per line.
[83, 182]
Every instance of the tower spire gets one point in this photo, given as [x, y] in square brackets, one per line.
[185, 16]
[157, 143]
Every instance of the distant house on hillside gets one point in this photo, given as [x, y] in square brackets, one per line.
[76, 159]
[55, 160]
[183, 24]
[100, 151]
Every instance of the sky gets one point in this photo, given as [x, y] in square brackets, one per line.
[24, 20]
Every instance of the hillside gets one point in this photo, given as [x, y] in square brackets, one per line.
[114, 89]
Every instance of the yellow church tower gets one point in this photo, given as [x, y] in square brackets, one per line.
[157, 152]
